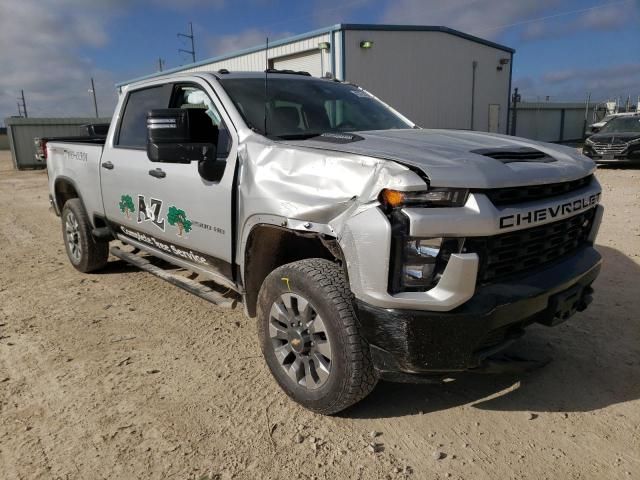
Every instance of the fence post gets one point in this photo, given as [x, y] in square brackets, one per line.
[562, 113]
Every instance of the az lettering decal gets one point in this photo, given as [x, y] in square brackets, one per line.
[151, 212]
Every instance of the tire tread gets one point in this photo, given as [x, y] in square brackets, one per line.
[362, 377]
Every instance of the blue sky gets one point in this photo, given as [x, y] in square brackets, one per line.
[564, 48]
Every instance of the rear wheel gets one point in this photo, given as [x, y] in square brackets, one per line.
[310, 337]
[85, 253]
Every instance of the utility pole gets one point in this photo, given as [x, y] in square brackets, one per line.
[191, 52]
[515, 99]
[474, 66]
[23, 104]
[160, 64]
[95, 102]
[586, 116]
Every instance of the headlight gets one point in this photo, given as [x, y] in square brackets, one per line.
[437, 197]
[588, 141]
[633, 142]
[419, 262]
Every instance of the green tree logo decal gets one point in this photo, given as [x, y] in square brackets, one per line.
[178, 219]
[126, 205]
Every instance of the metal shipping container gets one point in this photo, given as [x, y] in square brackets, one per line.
[22, 131]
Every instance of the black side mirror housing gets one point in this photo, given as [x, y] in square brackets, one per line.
[182, 135]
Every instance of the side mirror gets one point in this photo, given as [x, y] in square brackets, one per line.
[182, 135]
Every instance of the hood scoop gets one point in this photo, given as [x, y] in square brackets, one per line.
[338, 137]
[517, 154]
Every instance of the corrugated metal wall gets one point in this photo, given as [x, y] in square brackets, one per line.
[428, 76]
[544, 121]
[255, 62]
[22, 131]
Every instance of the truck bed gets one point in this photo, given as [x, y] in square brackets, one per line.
[78, 162]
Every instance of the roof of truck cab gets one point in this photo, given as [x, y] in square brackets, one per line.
[238, 74]
[230, 75]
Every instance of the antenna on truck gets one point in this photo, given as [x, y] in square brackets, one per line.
[266, 77]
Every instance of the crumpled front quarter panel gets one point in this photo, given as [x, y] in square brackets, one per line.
[319, 187]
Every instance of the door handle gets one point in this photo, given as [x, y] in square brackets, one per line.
[107, 165]
[158, 173]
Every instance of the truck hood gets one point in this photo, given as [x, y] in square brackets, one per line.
[448, 159]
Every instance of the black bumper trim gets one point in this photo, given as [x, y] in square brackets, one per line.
[427, 342]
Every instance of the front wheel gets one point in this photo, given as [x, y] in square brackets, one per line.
[85, 253]
[310, 337]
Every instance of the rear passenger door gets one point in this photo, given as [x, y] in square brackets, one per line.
[177, 212]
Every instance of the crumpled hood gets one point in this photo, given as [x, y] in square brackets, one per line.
[446, 157]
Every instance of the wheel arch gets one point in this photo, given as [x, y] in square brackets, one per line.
[65, 189]
[269, 246]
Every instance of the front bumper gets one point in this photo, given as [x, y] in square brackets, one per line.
[427, 342]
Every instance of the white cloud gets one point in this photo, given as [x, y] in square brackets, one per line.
[599, 19]
[330, 12]
[574, 84]
[40, 55]
[222, 44]
[486, 18]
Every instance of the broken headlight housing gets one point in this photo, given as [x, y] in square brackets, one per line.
[418, 263]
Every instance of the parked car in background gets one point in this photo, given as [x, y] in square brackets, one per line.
[596, 127]
[618, 140]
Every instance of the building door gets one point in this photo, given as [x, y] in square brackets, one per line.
[306, 62]
[494, 118]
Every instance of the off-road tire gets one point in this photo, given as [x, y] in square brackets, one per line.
[322, 283]
[93, 254]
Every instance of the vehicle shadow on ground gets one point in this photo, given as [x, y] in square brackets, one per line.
[595, 362]
[118, 266]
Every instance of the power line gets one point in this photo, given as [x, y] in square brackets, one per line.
[556, 15]
[192, 52]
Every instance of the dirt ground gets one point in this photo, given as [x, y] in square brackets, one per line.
[120, 375]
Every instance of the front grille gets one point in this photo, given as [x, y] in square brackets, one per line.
[513, 195]
[523, 250]
[605, 148]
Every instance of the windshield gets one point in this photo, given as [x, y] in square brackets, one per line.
[304, 108]
[622, 125]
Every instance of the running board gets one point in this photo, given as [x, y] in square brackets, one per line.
[187, 284]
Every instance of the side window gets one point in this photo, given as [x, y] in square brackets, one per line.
[133, 127]
[190, 96]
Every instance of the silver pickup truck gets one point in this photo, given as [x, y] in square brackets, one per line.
[366, 247]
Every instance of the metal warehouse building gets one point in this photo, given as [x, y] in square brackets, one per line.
[436, 76]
